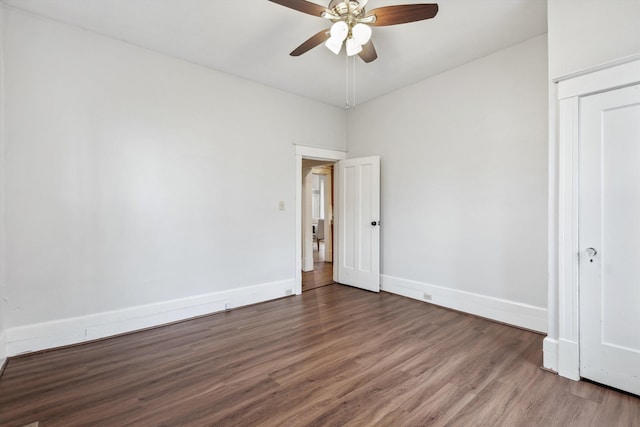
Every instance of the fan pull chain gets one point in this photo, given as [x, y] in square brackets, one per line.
[346, 82]
[347, 78]
[354, 81]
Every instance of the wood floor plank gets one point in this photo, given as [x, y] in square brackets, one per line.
[441, 407]
[335, 355]
[321, 275]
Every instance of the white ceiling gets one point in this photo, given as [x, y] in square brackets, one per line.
[253, 38]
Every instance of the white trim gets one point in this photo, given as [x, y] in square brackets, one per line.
[320, 153]
[315, 154]
[569, 359]
[568, 326]
[511, 312]
[601, 79]
[568, 332]
[550, 354]
[297, 287]
[623, 73]
[3, 348]
[591, 70]
[41, 336]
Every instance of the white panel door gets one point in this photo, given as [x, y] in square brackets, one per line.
[609, 238]
[358, 203]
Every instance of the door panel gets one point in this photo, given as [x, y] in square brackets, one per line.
[358, 204]
[609, 222]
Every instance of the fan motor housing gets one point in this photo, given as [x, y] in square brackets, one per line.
[344, 9]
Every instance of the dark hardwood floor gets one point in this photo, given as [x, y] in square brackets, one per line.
[322, 273]
[333, 356]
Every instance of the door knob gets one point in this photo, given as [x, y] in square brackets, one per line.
[591, 252]
[374, 223]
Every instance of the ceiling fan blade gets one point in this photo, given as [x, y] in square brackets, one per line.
[368, 53]
[302, 6]
[401, 14]
[312, 42]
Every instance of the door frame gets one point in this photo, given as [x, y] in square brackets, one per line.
[562, 345]
[311, 153]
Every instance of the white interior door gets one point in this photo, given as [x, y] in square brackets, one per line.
[609, 238]
[358, 204]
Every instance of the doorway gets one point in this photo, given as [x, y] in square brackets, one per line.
[356, 222]
[304, 223]
[591, 305]
[317, 211]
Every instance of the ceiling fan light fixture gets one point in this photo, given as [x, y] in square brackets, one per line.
[334, 45]
[353, 47]
[327, 14]
[339, 31]
[361, 33]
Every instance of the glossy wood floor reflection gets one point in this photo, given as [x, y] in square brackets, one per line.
[321, 275]
[333, 356]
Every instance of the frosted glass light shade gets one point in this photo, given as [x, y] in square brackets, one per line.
[339, 32]
[334, 45]
[353, 47]
[361, 33]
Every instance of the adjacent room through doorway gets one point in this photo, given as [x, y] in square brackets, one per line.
[317, 235]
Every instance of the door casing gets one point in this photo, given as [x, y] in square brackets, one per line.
[562, 346]
[311, 153]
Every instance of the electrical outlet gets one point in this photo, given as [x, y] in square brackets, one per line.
[426, 296]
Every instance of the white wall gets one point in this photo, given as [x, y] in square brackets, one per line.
[464, 184]
[133, 179]
[3, 347]
[586, 33]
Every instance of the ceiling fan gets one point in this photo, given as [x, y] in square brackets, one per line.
[351, 23]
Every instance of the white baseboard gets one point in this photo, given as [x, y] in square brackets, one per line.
[42, 336]
[550, 354]
[569, 359]
[3, 348]
[513, 313]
